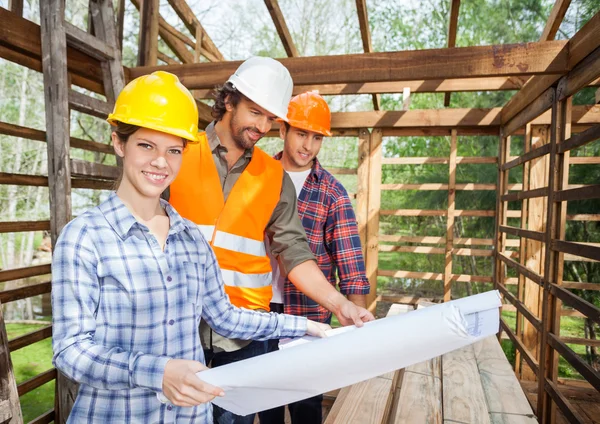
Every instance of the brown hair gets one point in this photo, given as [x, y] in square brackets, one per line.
[224, 94]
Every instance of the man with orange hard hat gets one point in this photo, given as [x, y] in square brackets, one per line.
[326, 213]
[241, 198]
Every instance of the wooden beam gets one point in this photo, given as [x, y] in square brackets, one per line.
[148, 40]
[16, 7]
[10, 408]
[452, 28]
[282, 28]
[556, 17]
[450, 218]
[485, 61]
[417, 86]
[187, 15]
[581, 75]
[20, 42]
[365, 35]
[582, 44]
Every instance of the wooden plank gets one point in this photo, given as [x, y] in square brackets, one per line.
[412, 249]
[580, 76]
[526, 354]
[87, 43]
[166, 59]
[565, 406]
[586, 308]
[10, 409]
[556, 17]
[16, 7]
[416, 86]
[89, 105]
[187, 15]
[532, 275]
[582, 193]
[32, 134]
[362, 201]
[24, 272]
[24, 292]
[37, 381]
[30, 338]
[519, 232]
[505, 398]
[439, 160]
[463, 397]
[505, 60]
[579, 140]
[533, 320]
[22, 226]
[82, 168]
[374, 205]
[148, 39]
[411, 274]
[46, 418]
[530, 112]
[526, 157]
[21, 42]
[585, 41]
[581, 341]
[581, 286]
[590, 374]
[365, 35]
[522, 195]
[282, 28]
[452, 27]
[585, 250]
[450, 216]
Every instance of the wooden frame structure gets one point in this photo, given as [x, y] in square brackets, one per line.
[546, 74]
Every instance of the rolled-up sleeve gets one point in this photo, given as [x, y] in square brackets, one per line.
[285, 231]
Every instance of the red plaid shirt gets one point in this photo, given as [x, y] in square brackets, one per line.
[332, 231]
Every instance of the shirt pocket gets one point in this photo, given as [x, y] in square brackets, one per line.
[195, 276]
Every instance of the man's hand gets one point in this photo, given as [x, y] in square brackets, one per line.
[350, 314]
[317, 329]
[183, 388]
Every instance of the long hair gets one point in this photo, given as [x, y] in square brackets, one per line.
[224, 94]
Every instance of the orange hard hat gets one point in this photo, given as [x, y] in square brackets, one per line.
[309, 111]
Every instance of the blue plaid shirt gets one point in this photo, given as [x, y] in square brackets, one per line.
[122, 308]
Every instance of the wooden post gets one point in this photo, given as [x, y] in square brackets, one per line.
[362, 191]
[534, 250]
[406, 98]
[10, 409]
[374, 200]
[120, 23]
[16, 6]
[501, 209]
[450, 218]
[522, 247]
[56, 96]
[546, 409]
[148, 47]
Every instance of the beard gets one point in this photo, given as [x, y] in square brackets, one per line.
[239, 134]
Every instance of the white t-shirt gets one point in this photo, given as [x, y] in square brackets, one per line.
[298, 178]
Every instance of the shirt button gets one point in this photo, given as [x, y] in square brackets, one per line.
[169, 279]
[171, 322]
[169, 407]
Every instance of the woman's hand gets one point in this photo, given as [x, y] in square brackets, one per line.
[183, 388]
[316, 329]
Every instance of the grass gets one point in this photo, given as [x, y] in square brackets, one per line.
[29, 362]
[569, 327]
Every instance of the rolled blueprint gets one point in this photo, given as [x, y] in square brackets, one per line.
[350, 356]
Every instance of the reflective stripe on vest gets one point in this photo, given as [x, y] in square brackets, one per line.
[251, 281]
[233, 242]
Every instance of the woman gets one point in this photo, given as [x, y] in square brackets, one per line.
[131, 279]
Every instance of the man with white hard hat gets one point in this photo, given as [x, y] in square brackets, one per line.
[240, 197]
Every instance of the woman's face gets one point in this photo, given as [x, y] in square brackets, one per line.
[151, 160]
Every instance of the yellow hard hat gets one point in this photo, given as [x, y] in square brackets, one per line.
[159, 102]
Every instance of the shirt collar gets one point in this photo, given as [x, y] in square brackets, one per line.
[122, 220]
[316, 171]
[214, 142]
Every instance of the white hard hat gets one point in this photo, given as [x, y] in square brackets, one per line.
[266, 82]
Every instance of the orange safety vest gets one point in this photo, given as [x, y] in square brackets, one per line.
[235, 229]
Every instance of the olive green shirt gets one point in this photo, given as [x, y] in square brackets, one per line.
[287, 238]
